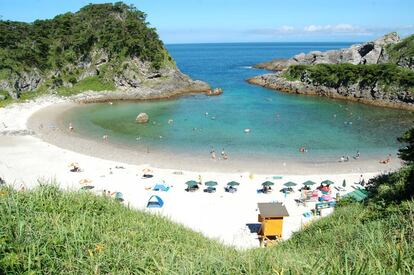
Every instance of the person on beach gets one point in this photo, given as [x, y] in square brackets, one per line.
[387, 160]
[105, 137]
[224, 156]
[71, 127]
[357, 155]
[213, 154]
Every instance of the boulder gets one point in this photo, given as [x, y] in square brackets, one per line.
[142, 118]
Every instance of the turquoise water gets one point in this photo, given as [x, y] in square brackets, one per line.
[280, 123]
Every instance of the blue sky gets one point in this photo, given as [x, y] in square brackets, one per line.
[199, 21]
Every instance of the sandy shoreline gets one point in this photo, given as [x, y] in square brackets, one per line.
[25, 158]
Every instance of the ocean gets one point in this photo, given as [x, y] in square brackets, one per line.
[279, 123]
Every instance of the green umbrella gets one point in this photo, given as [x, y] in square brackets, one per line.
[87, 187]
[290, 184]
[191, 183]
[211, 183]
[268, 183]
[327, 182]
[233, 183]
[309, 182]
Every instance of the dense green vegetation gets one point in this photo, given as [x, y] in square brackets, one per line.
[402, 52]
[336, 75]
[99, 38]
[46, 230]
[119, 29]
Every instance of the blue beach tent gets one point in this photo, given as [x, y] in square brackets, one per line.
[161, 187]
[155, 202]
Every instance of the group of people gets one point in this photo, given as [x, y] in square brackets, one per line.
[346, 158]
[224, 155]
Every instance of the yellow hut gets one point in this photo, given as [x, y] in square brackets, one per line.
[271, 219]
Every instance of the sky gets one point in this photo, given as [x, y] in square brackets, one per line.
[215, 21]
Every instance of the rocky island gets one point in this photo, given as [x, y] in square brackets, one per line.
[103, 51]
[380, 72]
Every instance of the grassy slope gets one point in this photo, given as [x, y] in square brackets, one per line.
[49, 231]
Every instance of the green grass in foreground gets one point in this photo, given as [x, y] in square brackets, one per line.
[49, 231]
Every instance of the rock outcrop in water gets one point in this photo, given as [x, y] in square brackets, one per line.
[101, 48]
[380, 72]
[142, 118]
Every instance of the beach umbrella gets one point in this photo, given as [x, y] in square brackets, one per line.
[233, 183]
[210, 183]
[191, 183]
[327, 182]
[309, 183]
[87, 187]
[290, 184]
[268, 183]
[85, 181]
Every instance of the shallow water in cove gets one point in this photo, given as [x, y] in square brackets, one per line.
[280, 123]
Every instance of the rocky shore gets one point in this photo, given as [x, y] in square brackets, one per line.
[379, 52]
[368, 95]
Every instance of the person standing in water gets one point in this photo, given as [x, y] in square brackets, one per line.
[213, 154]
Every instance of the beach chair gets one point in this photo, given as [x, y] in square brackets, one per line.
[192, 189]
[230, 189]
[210, 189]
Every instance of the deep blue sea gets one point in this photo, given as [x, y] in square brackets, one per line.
[280, 123]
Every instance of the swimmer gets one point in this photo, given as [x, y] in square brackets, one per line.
[213, 154]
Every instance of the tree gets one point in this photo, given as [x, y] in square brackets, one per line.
[407, 153]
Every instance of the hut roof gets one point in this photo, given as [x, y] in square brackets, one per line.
[272, 209]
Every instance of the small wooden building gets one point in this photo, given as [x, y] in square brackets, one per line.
[271, 219]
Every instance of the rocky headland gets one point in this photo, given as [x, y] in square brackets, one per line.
[102, 52]
[380, 72]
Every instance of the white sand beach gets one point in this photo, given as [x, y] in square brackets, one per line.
[26, 159]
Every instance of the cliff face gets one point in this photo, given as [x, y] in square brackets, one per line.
[377, 73]
[374, 52]
[109, 43]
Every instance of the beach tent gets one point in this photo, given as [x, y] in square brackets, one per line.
[161, 187]
[155, 202]
[119, 196]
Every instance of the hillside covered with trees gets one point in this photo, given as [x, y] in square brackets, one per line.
[108, 45]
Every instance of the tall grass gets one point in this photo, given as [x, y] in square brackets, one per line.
[49, 231]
